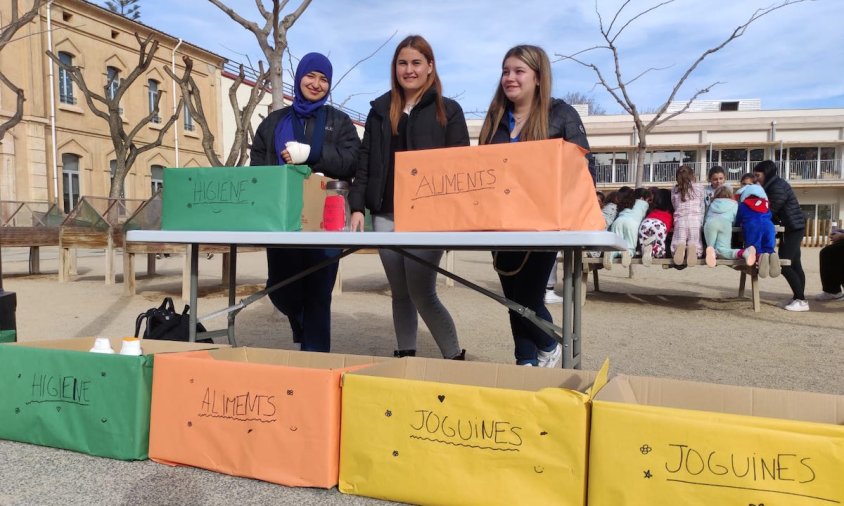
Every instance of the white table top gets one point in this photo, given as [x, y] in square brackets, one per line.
[542, 241]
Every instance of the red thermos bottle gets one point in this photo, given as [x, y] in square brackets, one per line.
[335, 211]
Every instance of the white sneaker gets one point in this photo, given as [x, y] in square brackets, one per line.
[550, 358]
[797, 305]
[829, 296]
[551, 297]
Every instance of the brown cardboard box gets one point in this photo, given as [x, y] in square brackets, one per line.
[314, 197]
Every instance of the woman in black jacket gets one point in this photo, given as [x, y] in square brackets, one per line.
[412, 115]
[333, 142]
[523, 110]
[785, 210]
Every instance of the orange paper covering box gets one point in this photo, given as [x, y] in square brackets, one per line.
[537, 185]
[273, 415]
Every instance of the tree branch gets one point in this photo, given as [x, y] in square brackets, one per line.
[370, 55]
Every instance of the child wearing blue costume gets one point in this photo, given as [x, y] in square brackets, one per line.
[757, 226]
[627, 224]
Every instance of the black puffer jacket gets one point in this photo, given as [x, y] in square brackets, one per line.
[339, 146]
[563, 123]
[785, 208]
[423, 132]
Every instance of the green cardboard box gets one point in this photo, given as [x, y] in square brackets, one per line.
[56, 393]
[8, 336]
[254, 199]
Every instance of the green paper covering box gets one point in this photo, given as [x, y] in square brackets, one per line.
[8, 336]
[253, 199]
[56, 393]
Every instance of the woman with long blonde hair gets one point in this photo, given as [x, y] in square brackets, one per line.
[412, 115]
[522, 109]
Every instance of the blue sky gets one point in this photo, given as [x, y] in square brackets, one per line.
[792, 58]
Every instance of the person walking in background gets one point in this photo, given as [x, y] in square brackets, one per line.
[832, 267]
[785, 210]
[412, 115]
[687, 199]
[333, 142]
[522, 110]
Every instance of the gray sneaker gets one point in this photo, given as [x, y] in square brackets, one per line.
[774, 268]
[829, 296]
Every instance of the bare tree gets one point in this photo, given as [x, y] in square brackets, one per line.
[107, 107]
[6, 33]
[239, 151]
[617, 85]
[576, 97]
[271, 37]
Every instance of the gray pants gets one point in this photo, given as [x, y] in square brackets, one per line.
[414, 289]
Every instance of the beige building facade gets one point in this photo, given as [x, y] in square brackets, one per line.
[35, 165]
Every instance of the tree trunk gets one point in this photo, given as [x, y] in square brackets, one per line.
[276, 83]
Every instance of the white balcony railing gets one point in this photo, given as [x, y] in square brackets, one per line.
[664, 172]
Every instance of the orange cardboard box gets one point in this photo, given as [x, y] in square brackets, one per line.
[273, 415]
[537, 185]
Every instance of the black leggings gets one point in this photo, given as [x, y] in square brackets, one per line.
[832, 267]
[790, 249]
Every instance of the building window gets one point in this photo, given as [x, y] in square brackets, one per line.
[611, 167]
[112, 82]
[188, 118]
[152, 94]
[70, 181]
[729, 106]
[156, 178]
[65, 83]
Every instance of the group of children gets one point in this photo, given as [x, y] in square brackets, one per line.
[654, 221]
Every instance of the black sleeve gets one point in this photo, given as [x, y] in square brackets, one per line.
[258, 153]
[575, 132]
[456, 131]
[357, 193]
[339, 155]
[776, 200]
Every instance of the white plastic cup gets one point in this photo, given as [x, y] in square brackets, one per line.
[298, 152]
[131, 346]
[102, 345]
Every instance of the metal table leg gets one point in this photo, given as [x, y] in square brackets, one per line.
[577, 305]
[232, 292]
[194, 287]
[568, 310]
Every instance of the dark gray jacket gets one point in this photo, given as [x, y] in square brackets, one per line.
[423, 132]
[563, 123]
[785, 209]
[339, 147]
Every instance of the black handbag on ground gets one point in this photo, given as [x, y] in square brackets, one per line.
[163, 322]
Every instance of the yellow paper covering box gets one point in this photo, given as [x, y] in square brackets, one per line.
[273, 415]
[432, 431]
[661, 441]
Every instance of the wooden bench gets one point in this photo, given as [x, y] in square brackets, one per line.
[593, 263]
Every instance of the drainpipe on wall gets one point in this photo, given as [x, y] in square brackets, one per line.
[52, 106]
[175, 102]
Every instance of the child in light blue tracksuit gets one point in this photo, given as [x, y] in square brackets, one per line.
[627, 224]
[718, 229]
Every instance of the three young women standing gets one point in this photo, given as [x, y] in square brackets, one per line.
[522, 110]
[412, 115]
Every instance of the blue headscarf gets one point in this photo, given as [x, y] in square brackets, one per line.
[291, 127]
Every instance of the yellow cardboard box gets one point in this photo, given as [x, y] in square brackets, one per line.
[430, 431]
[663, 441]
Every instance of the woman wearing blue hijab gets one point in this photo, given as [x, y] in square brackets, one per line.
[334, 143]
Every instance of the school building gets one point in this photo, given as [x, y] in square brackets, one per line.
[61, 150]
